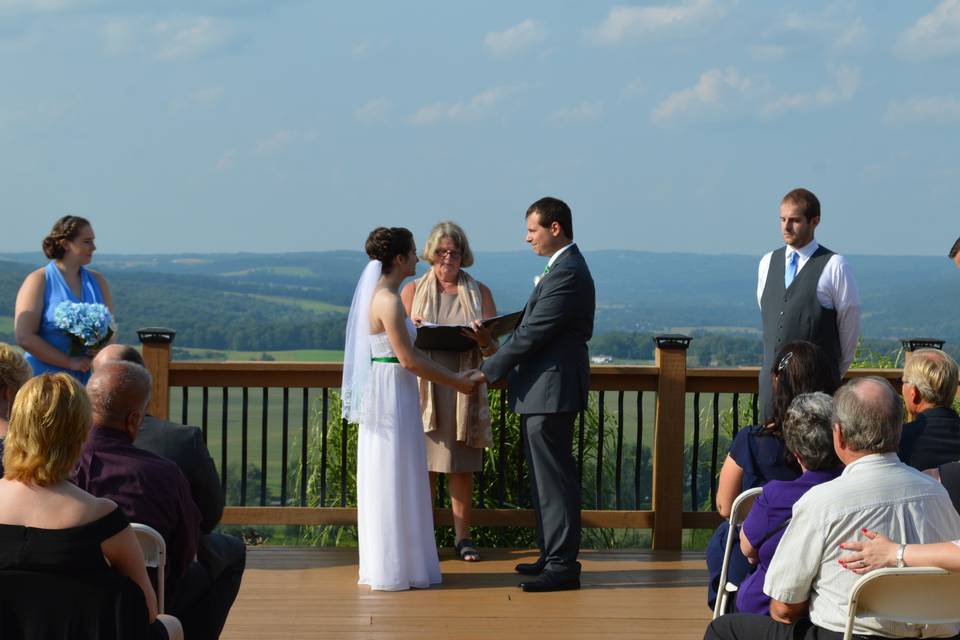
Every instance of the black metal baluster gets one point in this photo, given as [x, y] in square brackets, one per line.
[695, 450]
[223, 440]
[502, 450]
[265, 403]
[580, 444]
[243, 446]
[323, 446]
[599, 489]
[756, 409]
[284, 439]
[619, 447]
[343, 462]
[204, 406]
[523, 492]
[481, 481]
[714, 449]
[638, 451]
[184, 404]
[303, 446]
[736, 413]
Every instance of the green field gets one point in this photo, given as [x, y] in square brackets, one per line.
[310, 305]
[301, 272]
[293, 355]
[6, 324]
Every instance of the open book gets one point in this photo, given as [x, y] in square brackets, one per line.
[448, 337]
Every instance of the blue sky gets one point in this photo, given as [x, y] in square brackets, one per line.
[281, 125]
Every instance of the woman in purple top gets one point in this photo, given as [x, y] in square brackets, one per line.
[808, 434]
[69, 246]
[758, 453]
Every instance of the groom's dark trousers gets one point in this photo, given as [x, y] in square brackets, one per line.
[547, 367]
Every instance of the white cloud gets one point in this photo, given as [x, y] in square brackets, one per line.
[275, 142]
[635, 87]
[840, 31]
[472, 109]
[846, 81]
[851, 35]
[201, 98]
[15, 7]
[583, 112]
[375, 110]
[635, 23]
[227, 161]
[934, 35]
[924, 110]
[714, 89]
[515, 39]
[186, 39]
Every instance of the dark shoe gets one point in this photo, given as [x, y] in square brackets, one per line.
[467, 550]
[552, 581]
[532, 568]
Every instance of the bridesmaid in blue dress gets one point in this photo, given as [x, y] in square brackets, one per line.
[69, 246]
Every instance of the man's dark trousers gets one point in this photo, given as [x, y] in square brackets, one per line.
[554, 488]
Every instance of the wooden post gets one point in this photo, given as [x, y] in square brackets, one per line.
[156, 343]
[671, 358]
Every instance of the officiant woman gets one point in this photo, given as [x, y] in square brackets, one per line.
[69, 246]
[456, 425]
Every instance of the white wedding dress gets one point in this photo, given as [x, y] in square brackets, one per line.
[394, 517]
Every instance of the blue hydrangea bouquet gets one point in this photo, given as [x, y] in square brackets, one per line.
[89, 325]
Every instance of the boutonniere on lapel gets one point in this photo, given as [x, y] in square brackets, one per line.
[537, 279]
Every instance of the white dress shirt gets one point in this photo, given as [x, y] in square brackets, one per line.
[877, 492]
[836, 289]
[556, 255]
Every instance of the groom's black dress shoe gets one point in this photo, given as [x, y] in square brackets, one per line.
[532, 568]
[552, 581]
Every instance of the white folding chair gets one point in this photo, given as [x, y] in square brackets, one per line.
[738, 513]
[911, 595]
[154, 555]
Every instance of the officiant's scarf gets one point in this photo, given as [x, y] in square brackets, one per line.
[473, 413]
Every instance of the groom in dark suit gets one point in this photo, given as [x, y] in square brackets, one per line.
[548, 373]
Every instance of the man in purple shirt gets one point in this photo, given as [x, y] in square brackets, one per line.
[808, 434]
[150, 490]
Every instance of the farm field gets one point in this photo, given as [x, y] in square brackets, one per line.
[6, 324]
[292, 355]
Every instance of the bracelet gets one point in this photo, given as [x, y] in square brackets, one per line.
[900, 550]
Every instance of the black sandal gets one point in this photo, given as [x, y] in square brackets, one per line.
[467, 551]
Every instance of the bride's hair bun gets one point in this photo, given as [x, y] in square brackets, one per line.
[385, 244]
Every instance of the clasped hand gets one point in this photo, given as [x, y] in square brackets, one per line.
[467, 381]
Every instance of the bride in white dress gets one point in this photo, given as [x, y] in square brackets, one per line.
[380, 392]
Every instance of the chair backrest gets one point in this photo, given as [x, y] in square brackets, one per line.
[738, 513]
[911, 595]
[154, 555]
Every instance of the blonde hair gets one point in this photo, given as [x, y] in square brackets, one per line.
[48, 426]
[934, 374]
[14, 370]
[453, 231]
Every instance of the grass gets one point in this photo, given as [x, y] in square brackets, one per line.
[302, 272]
[6, 324]
[310, 305]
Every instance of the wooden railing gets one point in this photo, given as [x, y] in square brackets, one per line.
[695, 413]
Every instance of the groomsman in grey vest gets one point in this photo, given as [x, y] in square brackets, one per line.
[548, 377]
[805, 292]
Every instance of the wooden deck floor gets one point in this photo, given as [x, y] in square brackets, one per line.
[312, 593]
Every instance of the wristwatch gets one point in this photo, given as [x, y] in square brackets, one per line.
[900, 563]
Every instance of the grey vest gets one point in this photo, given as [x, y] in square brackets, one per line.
[794, 313]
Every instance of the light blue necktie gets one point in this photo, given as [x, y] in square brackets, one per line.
[791, 271]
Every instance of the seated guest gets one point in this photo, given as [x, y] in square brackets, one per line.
[223, 557]
[878, 551]
[149, 489]
[14, 371]
[758, 453]
[808, 591]
[808, 434]
[929, 389]
[49, 525]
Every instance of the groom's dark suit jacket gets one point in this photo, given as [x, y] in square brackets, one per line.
[546, 356]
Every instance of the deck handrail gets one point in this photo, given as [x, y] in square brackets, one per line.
[668, 379]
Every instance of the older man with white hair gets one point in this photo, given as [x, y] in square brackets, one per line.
[806, 582]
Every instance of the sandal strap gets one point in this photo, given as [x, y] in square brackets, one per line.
[467, 547]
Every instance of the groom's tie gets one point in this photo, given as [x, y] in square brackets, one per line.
[791, 271]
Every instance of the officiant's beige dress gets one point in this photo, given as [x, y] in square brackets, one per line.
[445, 454]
